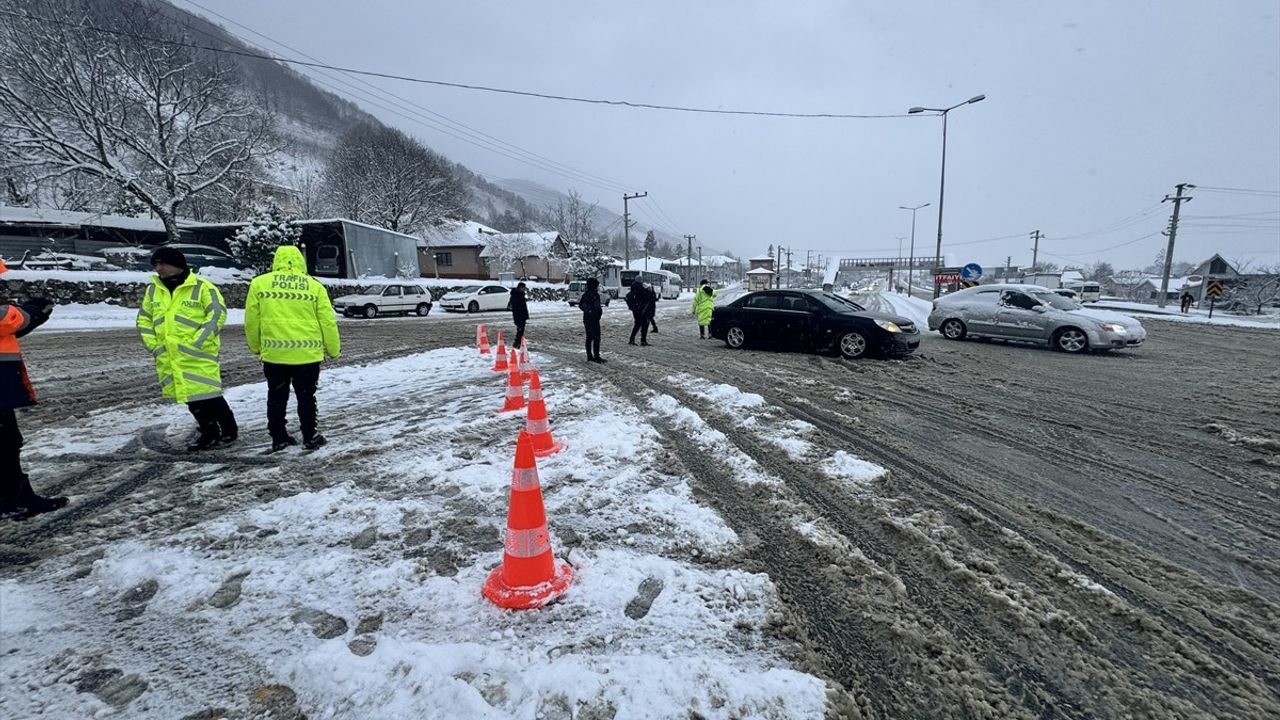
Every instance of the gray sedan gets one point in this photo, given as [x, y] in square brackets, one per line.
[1030, 313]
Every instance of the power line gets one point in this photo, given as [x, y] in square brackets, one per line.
[460, 86]
[1241, 191]
[481, 140]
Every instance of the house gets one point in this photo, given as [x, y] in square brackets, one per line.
[1215, 266]
[529, 255]
[760, 278]
[452, 250]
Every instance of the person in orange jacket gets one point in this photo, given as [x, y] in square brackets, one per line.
[17, 500]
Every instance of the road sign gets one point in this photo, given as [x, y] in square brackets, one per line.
[972, 271]
[1213, 289]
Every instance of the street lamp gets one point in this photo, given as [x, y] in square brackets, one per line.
[911, 263]
[942, 185]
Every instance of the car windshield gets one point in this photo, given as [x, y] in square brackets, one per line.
[1055, 300]
[467, 290]
[371, 290]
[838, 304]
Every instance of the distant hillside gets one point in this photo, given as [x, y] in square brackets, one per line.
[312, 119]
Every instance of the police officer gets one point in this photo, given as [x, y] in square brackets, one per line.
[290, 325]
[180, 322]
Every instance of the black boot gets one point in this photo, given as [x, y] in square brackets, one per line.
[315, 442]
[27, 503]
[204, 442]
[282, 443]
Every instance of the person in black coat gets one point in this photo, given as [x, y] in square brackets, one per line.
[589, 304]
[519, 312]
[641, 303]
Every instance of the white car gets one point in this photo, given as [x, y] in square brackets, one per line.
[378, 300]
[476, 298]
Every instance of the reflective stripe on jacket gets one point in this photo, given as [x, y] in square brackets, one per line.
[288, 318]
[183, 331]
[15, 386]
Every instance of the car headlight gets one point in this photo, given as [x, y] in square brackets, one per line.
[1112, 327]
[891, 327]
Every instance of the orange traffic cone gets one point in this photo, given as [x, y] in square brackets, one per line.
[537, 426]
[515, 387]
[525, 363]
[530, 576]
[482, 339]
[500, 363]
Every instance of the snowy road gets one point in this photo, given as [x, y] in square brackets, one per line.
[981, 530]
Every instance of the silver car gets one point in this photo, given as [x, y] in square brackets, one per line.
[1030, 313]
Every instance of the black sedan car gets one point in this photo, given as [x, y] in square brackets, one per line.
[812, 320]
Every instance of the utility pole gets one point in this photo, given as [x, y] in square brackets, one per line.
[1008, 267]
[1035, 250]
[788, 267]
[700, 259]
[1172, 232]
[626, 227]
[777, 276]
[688, 262]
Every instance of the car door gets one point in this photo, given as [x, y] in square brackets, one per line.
[494, 297]
[391, 301]
[760, 317]
[1017, 319]
[795, 320]
[979, 312]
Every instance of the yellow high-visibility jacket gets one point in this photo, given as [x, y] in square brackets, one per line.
[183, 330]
[288, 318]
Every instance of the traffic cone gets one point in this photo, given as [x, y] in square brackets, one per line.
[537, 426]
[515, 387]
[482, 339]
[530, 576]
[500, 362]
[525, 363]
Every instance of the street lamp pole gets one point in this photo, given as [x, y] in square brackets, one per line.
[911, 262]
[942, 184]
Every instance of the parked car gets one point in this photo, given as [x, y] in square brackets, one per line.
[577, 287]
[199, 256]
[49, 260]
[812, 320]
[378, 300]
[476, 298]
[1034, 314]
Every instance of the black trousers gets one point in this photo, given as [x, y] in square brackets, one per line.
[10, 455]
[593, 337]
[303, 378]
[653, 322]
[214, 417]
[641, 325]
[519, 333]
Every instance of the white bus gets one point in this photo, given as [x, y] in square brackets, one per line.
[1087, 291]
[665, 284]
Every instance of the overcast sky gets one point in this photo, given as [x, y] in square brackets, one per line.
[1094, 111]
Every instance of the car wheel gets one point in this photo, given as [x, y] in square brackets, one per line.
[423, 309]
[735, 337]
[473, 306]
[1071, 340]
[953, 329]
[853, 345]
[371, 311]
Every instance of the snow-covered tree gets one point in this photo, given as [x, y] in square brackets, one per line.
[382, 176]
[269, 227]
[152, 115]
[1255, 291]
[586, 259]
[506, 250]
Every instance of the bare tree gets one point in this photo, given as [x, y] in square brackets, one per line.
[383, 177]
[111, 91]
[1255, 291]
[506, 250]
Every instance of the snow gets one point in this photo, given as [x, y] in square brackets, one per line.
[912, 308]
[1196, 315]
[428, 484]
[102, 316]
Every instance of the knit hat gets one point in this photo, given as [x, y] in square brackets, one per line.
[169, 256]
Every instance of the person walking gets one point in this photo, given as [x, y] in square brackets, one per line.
[519, 306]
[17, 500]
[653, 314]
[589, 304]
[638, 303]
[1187, 298]
[703, 304]
[180, 322]
[290, 326]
